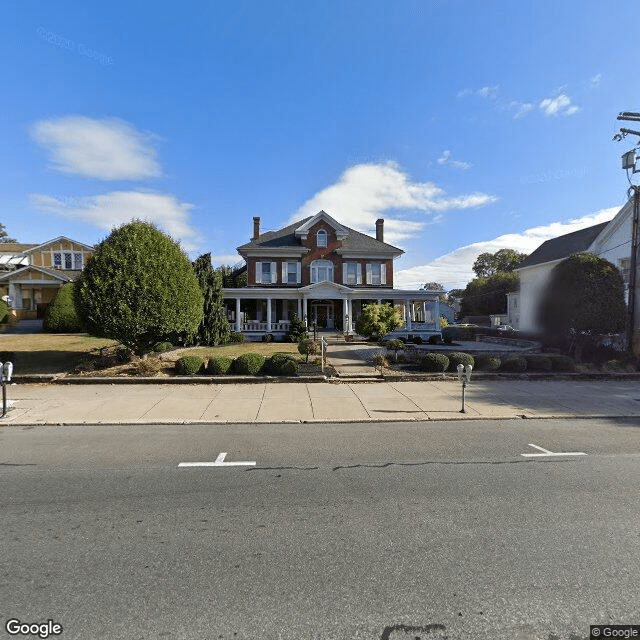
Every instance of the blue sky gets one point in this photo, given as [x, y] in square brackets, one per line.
[467, 125]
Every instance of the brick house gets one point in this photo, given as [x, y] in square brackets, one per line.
[325, 273]
[32, 274]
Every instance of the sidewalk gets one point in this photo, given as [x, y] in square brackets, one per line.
[317, 402]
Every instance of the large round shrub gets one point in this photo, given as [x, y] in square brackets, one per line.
[139, 287]
[538, 362]
[248, 364]
[562, 363]
[4, 312]
[434, 362]
[189, 365]
[219, 365]
[61, 316]
[458, 357]
[514, 364]
[308, 347]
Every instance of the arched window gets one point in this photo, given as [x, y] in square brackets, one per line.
[321, 271]
[321, 238]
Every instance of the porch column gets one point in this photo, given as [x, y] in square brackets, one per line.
[269, 314]
[424, 312]
[350, 314]
[305, 311]
[238, 322]
[407, 314]
[300, 309]
[345, 315]
[437, 314]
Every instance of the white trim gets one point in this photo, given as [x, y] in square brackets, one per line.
[303, 230]
[59, 239]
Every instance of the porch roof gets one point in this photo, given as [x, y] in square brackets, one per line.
[329, 291]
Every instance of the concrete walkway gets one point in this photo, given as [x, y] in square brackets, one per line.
[317, 402]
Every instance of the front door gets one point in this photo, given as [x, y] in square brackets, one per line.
[321, 316]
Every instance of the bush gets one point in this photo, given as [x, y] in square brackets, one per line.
[419, 340]
[562, 363]
[447, 339]
[267, 337]
[376, 320]
[236, 337]
[248, 364]
[514, 364]
[189, 365]
[458, 357]
[4, 312]
[161, 347]
[219, 365]
[122, 355]
[538, 362]
[308, 347]
[434, 362]
[147, 367]
[297, 330]
[138, 287]
[434, 340]
[281, 364]
[379, 361]
[487, 363]
[61, 316]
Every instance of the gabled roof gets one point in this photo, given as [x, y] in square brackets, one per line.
[35, 247]
[303, 230]
[563, 246]
[55, 273]
[286, 237]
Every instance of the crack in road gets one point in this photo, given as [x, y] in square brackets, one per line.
[447, 462]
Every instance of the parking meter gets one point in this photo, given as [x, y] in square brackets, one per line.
[464, 375]
[7, 371]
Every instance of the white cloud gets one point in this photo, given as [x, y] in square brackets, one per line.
[561, 104]
[483, 92]
[596, 80]
[523, 109]
[113, 209]
[107, 149]
[366, 192]
[446, 159]
[228, 259]
[454, 269]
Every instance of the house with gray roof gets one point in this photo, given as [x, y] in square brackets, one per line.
[325, 273]
[610, 240]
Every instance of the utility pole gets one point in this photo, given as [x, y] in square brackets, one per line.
[633, 307]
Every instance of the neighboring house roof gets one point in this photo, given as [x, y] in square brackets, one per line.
[15, 247]
[286, 237]
[563, 246]
[35, 247]
[57, 274]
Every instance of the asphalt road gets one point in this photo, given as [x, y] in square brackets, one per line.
[373, 531]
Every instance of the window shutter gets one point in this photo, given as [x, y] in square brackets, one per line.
[383, 273]
[285, 277]
[258, 272]
[274, 273]
[344, 273]
[298, 273]
[369, 278]
[359, 273]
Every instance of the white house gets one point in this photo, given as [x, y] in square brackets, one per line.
[609, 240]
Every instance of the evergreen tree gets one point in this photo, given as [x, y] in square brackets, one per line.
[138, 288]
[4, 236]
[214, 328]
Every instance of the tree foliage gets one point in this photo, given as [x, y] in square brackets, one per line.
[214, 328]
[138, 288]
[376, 320]
[584, 297]
[61, 316]
[4, 236]
[502, 261]
[485, 296]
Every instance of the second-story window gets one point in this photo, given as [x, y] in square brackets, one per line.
[376, 274]
[266, 272]
[321, 238]
[321, 271]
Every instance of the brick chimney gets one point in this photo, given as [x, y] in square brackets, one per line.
[256, 227]
[380, 229]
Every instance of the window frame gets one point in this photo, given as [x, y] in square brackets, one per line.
[325, 235]
[321, 264]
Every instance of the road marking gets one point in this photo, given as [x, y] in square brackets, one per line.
[549, 453]
[219, 462]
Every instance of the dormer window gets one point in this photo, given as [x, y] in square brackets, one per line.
[321, 238]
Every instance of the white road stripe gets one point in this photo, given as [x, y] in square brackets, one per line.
[549, 453]
[219, 462]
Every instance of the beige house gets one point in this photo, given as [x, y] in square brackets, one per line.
[31, 274]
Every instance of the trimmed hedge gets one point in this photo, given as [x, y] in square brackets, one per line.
[248, 364]
[487, 363]
[562, 363]
[236, 337]
[514, 364]
[434, 362]
[281, 364]
[538, 362]
[189, 365]
[161, 347]
[459, 357]
[219, 365]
